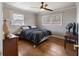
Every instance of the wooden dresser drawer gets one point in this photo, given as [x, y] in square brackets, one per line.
[10, 47]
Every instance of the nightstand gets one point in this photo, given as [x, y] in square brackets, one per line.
[10, 46]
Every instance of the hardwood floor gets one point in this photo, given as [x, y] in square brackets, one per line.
[51, 47]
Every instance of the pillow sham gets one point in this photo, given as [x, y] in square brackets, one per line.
[25, 27]
[33, 26]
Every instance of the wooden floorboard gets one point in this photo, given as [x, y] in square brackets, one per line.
[51, 47]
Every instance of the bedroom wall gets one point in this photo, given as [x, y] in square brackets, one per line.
[68, 16]
[77, 15]
[29, 17]
[77, 6]
[1, 24]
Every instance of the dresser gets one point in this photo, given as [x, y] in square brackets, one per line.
[10, 46]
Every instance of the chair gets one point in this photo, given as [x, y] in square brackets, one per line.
[71, 37]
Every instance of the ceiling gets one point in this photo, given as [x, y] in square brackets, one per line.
[35, 6]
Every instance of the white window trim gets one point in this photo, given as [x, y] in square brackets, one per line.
[18, 21]
[49, 20]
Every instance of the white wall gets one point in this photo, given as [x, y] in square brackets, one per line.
[29, 17]
[69, 15]
[77, 11]
[1, 24]
[77, 14]
[77, 5]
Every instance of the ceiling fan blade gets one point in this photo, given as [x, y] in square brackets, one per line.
[48, 9]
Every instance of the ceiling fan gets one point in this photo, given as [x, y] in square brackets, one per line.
[43, 7]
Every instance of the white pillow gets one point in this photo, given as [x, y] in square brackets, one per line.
[33, 26]
[25, 28]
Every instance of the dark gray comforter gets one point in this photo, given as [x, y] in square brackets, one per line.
[35, 35]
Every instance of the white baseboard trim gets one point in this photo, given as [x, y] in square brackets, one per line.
[58, 36]
[0, 53]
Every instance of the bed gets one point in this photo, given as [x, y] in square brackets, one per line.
[35, 35]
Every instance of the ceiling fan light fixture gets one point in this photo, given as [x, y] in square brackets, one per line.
[42, 9]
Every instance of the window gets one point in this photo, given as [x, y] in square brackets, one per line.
[57, 19]
[18, 19]
[46, 19]
[52, 19]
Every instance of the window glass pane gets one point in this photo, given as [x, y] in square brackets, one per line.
[18, 19]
